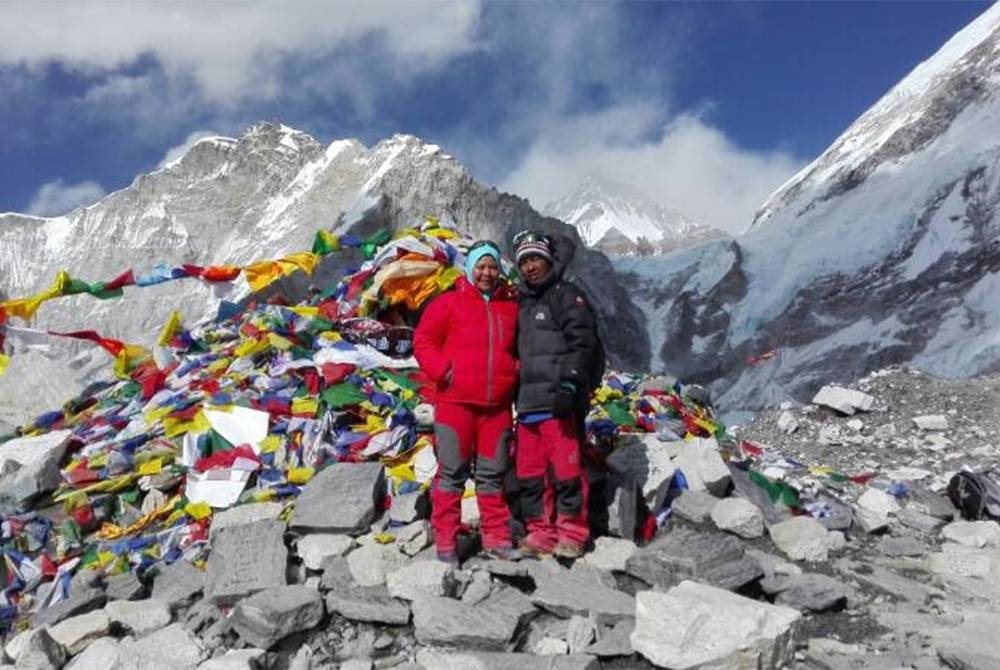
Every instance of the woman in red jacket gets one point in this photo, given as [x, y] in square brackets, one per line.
[465, 344]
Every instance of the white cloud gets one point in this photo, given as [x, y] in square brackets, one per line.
[231, 49]
[176, 152]
[689, 164]
[56, 197]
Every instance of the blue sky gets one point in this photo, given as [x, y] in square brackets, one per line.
[706, 106]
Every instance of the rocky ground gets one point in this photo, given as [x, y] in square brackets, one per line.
[858, 571]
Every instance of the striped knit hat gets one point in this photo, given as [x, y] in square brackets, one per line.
[533, 247]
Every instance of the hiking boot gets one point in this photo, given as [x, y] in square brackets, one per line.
[448, 558]
[502, 553]
[530, 549]
[571, 550]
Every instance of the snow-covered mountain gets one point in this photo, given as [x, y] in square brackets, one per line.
[236, 200]
[886, 249]
[620, 219]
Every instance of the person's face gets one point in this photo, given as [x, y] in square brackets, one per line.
[486, 274]
[534, 269]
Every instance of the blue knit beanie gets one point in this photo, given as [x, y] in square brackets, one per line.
[478, 253]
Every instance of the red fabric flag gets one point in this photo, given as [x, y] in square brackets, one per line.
[114, 347]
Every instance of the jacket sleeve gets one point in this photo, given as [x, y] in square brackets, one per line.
[576, 321]
[430, 336]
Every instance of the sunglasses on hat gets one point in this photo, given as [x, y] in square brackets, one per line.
[485, 243]
[531, 236]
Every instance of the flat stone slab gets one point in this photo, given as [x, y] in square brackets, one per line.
[582, 590]
[801, 539]
[644, 459]
[815, 593]
[76, 633]
[269, 616]
[81, 599]
[178, 583]
[695, 625]
[931, 422]
[246, 559]
[372, 604]
[174, 643]
[973, 644]
[610, 553]
[139, 616]
[845, 401]
[488, 625]
[435, 659]
[695, 506]
[243, 514]
[30, 465]
[710, 557]
[107, 653]
[316, 547]
[902, 546]
[416, 578]
[973, 533]
[342, 498]
[38, 649]
[738, 516]
[125, 586]
[614, 641]
[701, 464]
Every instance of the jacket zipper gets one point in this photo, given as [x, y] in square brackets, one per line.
[489, 354]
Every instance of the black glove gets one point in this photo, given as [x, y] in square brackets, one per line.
[565, 399]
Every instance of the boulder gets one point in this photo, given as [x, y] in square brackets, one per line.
[342, 498]
[372, 604]
[582, 590]
[77, 632]
[177, 584]
[801, 538]
[243, 514]
[436, 659]
[694, 506]
[815, 593]
[738, 516]
[695, 625]
[108, 654]
[614, 641]
[316, 547]
[139, 617]
[81, 599]
[234, 659]
[931, 422]
[246, 559]
[30, 465]
[701, 464]
[643, 459]
[956, 560]
[610, 553]
[265, 618]
[370, 563]
[428, 577]
[125, 586]
[409, 507]
[787, 423]
[713, 558]
[173, 644]
[579, 634]
[973, 645]
[845, 401]
[38, 649]
[488, 625]
[973, 533]
[878, 502]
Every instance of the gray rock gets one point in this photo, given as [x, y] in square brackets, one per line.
[342, 498]
[370, 563]
[40, 651]
[956, 560]
[30, 465]
[934, 504]
[610, 553]
[372, 604]
[625, 501]
[973, 533]
[614, 641]
[478, 589]
[901, 546]
[713, 558]
[583, 590]
[801, 539]
[870, 522]
[773, 511]
[925, 523]
[234, 659]
[428, 577]
[139, 616]
[80, 601]
[878, 502]
[488, 625]
[435, 659]
[696, 625]
[77, 632]
[815, 593]
[701, 464]
[551, 646]
[263, 619]
[178, 583]
[694, 506]
[787, 423]
[243, 514]
[107, 654]
[974, 645]
[738, 516]
[172, 643]
[314, 548]
[356, 664]
[409, 507]
[125, 586]
[931, 422]
[246, 559]
[845, 401]
[643, 459]
[579, 634]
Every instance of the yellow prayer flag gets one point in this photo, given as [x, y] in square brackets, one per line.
[151, 467]
[198, 510]
[300, 475]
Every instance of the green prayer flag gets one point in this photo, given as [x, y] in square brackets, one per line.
[342, 395]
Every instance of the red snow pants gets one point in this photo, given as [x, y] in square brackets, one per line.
[471, 441]
[552, 482]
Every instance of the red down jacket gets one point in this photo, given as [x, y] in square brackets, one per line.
[474, 339]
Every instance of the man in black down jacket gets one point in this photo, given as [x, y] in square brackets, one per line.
[557, 345]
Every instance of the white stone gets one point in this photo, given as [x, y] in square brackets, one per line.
[419, 578]
[801, 538]
[856, 425]
[76, 632]
[739, 516]
[956, 560]
[315, 547]
[551, 646]
[937, 443]
[787, 423]
[242, 515]
[30, 465]
[931, 422]
[579, 634]
[870, 522]
[908, 474]
[356, 664]
[370, 563]
[470, 511]
[610, 553]
[174, 643]
[829, 434]
[234, 659]
[843, 400]
[878, 502]
[973, 644]
[973, 533]
[139, 616]
[701, 464]
[695, 625]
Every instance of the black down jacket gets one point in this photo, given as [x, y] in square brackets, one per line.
[557, 338]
